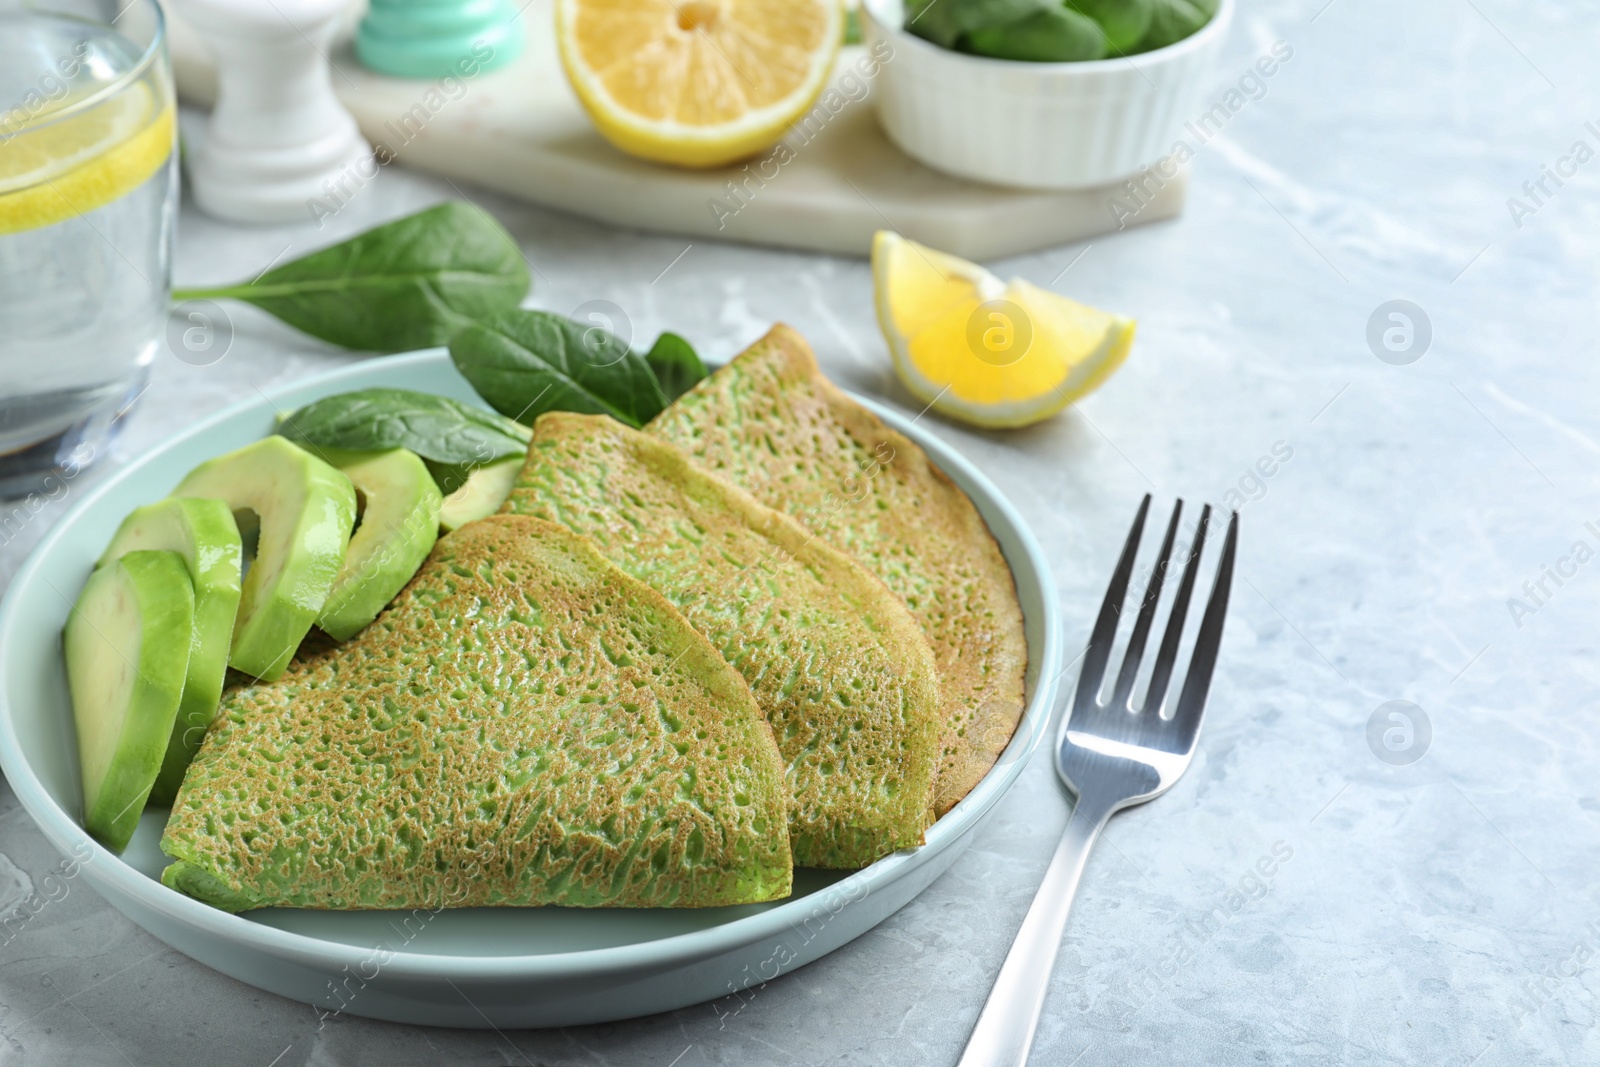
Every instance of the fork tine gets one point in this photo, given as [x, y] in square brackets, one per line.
[1167, 656]
[1147, 615]
[1197, 682]
[1105, 626]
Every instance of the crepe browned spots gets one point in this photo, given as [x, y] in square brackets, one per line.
[840, 668]
[772, 424]
[524, 725]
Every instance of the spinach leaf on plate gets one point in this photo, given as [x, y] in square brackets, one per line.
[528, 362]
[676, 365]
[437, 428]
[411, 283]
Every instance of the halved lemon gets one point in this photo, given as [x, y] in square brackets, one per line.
[698, 83]
[72, 166]
[983, 351]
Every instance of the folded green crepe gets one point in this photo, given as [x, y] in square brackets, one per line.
[840, 668]
[770, 423]
[524, 725]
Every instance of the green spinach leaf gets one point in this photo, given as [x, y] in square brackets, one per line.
[1124, 22]
[1173, 20]
[411, 283]
[944, 22]
[437, 428]
[1051, 35]
[676, 365]
[1056, 30]
[528, 362]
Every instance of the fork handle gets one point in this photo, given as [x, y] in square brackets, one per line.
[1006, 1027]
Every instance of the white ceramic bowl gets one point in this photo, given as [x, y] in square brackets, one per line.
[1035, 125]
[473, 967]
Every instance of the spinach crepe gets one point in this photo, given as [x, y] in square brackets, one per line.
[841, 670]
[772, 424]
[524, 725]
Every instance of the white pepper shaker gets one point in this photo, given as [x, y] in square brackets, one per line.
[278, 137]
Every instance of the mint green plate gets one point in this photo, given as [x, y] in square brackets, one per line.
[479, 967]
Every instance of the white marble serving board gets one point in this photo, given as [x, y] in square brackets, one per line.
[521, 131]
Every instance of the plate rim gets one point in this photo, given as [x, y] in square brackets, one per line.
[64, 832]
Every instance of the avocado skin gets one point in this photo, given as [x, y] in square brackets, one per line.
[157, 590]
[205, 536]
[306, 509]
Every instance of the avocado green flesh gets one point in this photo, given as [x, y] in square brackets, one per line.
[306, 510]
[482, 494]
[398, 527]
[205, 537]
[450, 477]
[127, 650]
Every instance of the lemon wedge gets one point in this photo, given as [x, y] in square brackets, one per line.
[983, 351]
[76, 164]
[698, 83]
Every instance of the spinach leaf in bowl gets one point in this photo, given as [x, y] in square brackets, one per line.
[1173, 20]
[1123, 22]
[1056, 31]
[1052, 34]
[944, 22]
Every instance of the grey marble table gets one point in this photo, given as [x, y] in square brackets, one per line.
[1423, 535]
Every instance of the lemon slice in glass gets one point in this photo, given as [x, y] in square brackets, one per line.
[698, 83]
[983, 351]
[72, 165]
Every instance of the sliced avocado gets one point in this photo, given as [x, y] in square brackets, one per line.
[305, 509]
[482, 494]
[127, 649]
[399, 524]
[450, 476]
[205, 537]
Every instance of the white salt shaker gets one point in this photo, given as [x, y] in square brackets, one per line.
[278, 138]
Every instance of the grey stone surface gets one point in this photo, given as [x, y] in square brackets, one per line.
[1436, 913]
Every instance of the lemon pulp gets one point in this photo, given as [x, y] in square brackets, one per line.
[983, 351]
[73, 165]
[698, 83]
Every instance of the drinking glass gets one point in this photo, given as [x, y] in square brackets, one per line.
[88, 191]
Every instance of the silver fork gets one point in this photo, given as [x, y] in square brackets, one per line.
[1112, 756]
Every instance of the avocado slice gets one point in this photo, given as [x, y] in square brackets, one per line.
[399, 524]
[305, 509]
[205, 537]
[485, 489]
[127, 650]
[450, 476]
